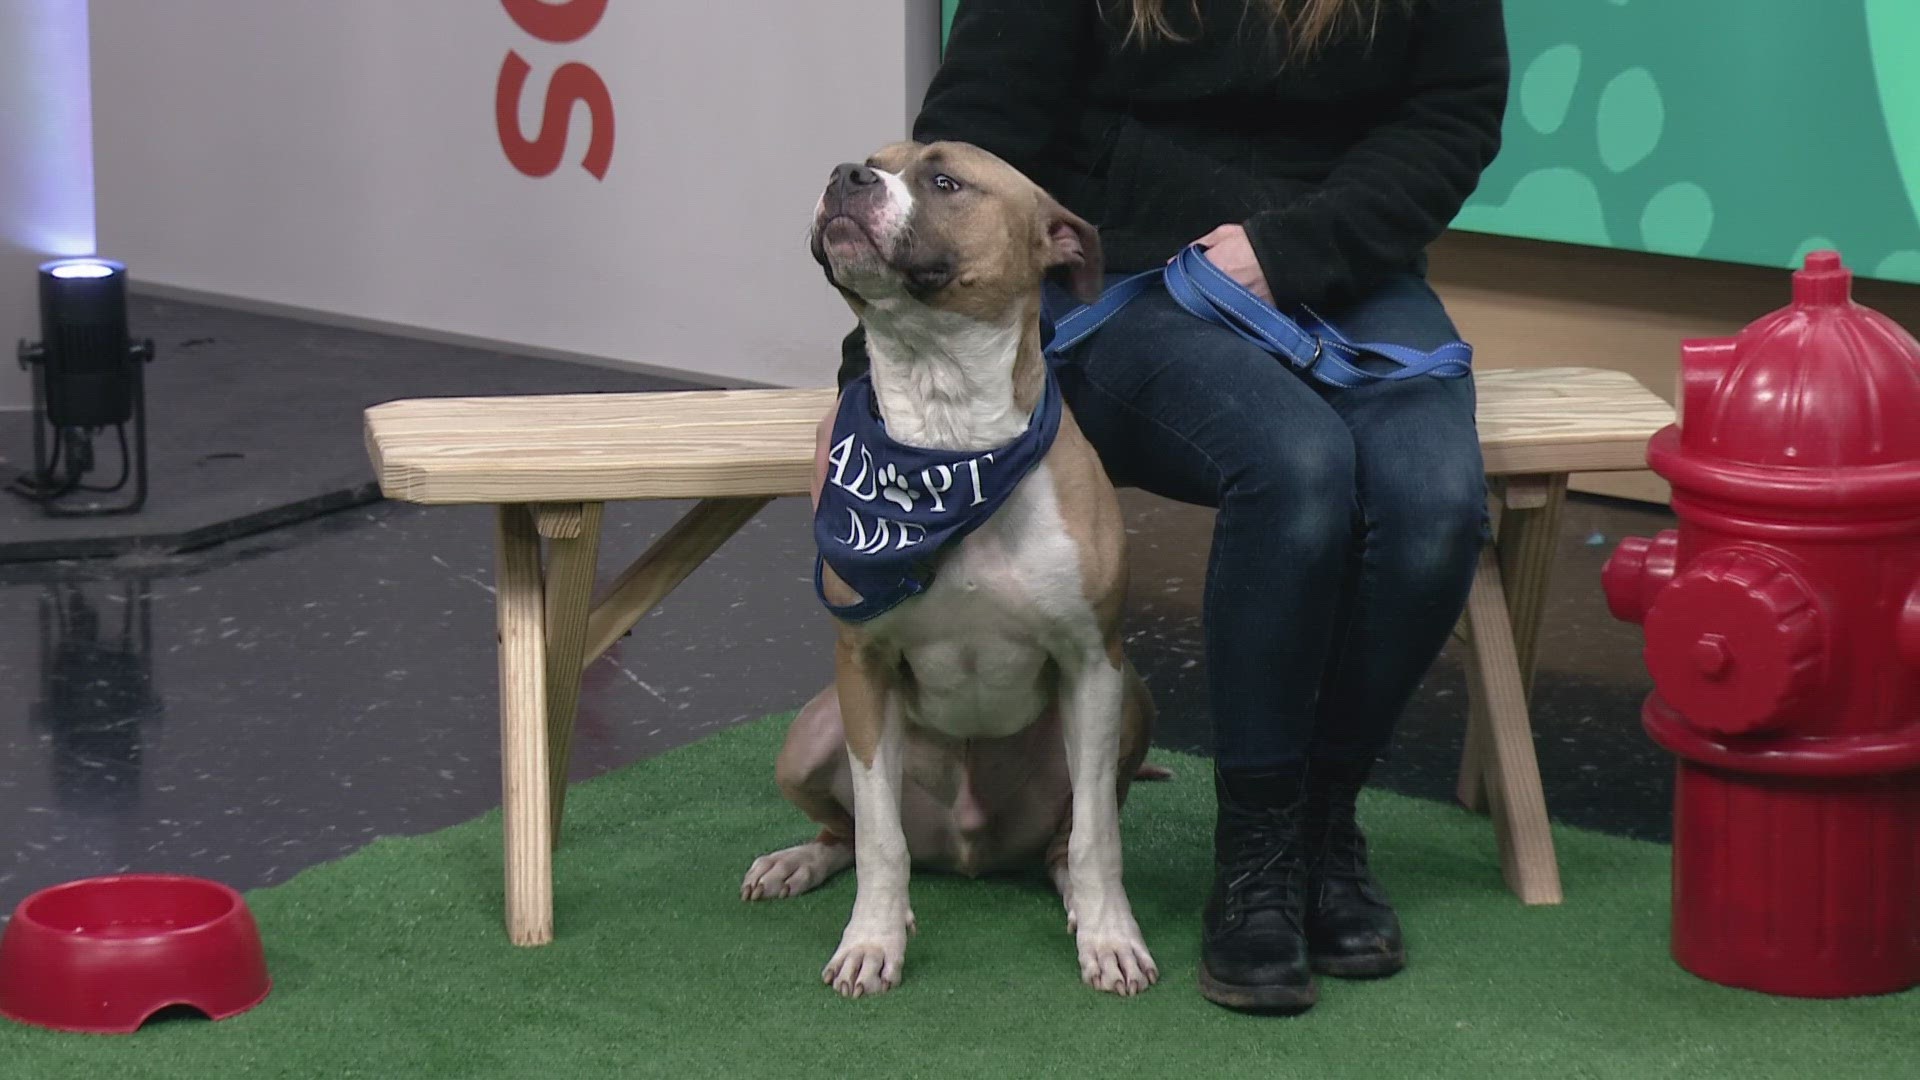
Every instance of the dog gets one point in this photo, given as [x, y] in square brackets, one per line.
[992, 718]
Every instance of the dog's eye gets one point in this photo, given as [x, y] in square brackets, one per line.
[945, 182]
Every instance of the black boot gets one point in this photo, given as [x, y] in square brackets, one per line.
[1352, 932]
[1253, 948]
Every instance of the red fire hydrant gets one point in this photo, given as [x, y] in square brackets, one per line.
[1782, 625]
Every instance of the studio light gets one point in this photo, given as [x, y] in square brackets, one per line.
[88, 376]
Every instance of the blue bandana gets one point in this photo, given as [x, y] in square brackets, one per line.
[887, 510]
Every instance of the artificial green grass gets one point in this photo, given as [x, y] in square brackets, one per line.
[392, 964]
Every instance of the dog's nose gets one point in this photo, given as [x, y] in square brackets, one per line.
[849, 176]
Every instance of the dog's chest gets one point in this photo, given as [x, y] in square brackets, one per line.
[1002, 601]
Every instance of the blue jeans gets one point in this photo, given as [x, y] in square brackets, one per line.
[1349, 520]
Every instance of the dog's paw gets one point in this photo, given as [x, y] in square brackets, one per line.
[870, 958]
[1114, 957]
[792, 871]
[895, 489]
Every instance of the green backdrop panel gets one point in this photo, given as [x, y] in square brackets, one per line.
[1678, 127]
[1748, 133]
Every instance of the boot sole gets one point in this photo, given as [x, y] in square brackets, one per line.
[1269, 1000]
[1365, 966]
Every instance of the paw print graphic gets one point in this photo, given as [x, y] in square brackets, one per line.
[1626, 133]
[1586, 148]
[894, 488]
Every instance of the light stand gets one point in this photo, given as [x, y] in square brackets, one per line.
[88, 375]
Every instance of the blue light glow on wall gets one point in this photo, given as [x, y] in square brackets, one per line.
[46, 170]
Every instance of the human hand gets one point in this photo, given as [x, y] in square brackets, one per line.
[1228, 248]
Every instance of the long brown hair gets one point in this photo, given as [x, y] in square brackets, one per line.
[1309, 24]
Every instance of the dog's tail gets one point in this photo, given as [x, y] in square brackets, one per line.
[1149, 771]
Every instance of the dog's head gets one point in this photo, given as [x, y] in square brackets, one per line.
[950, 226]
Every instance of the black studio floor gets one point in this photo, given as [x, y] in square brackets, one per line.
[251, 708]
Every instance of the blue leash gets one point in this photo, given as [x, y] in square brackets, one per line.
[1317, 349]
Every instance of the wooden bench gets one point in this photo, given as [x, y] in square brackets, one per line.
[551, 463]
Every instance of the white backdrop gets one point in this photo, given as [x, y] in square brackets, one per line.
[342, 156]
[46, 194]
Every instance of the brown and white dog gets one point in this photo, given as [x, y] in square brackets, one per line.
[994, 719]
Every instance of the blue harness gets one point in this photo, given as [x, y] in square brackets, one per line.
[887, 510]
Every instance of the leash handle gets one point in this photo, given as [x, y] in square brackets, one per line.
[1317, 349]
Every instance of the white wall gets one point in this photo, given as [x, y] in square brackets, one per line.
[46, 194]
[342, 156]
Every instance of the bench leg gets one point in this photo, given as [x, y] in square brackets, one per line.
[1529, 532]
[523, 735]
[1499, 770]
[1529, 527]
[550, 631]
[573, 534]
[1471, 787]
[663, 566]
[1512, 772]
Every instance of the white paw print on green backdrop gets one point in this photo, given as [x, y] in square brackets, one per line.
[1678, 127]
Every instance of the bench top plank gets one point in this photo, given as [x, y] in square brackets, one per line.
[740, 443]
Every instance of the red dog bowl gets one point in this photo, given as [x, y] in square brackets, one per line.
[104, 954]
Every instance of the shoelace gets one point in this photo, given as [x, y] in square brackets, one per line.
[1341, 856]
[1342, 850]
[1270, 866]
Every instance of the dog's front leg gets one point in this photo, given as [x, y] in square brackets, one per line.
[873, 949]
[1113, 955]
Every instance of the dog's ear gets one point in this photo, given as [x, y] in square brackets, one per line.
[1073, 246]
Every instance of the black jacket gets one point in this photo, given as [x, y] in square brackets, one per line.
[1342, 167]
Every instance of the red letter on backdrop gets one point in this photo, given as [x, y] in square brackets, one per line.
[570, 21]
[541, 155]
